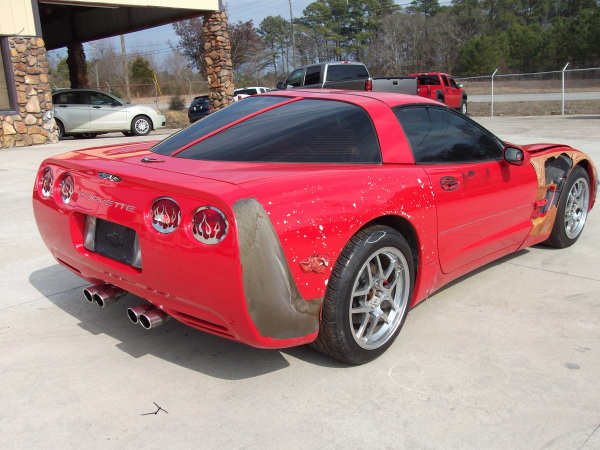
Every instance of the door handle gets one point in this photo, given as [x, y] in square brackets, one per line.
[449, 183]
[62, 106]
[96, 107]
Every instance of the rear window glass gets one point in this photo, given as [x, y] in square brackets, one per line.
[341, 72]
[428, 81]
[199, 100]
[215, 121]
[305, 131]
[245, 92]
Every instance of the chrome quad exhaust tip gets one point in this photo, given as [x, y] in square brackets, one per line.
[153, 318]
[89, 292]
[103, 294]
[135, 312]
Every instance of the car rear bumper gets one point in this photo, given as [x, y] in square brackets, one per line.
[241, 289]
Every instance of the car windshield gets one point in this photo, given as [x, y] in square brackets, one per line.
[304, 131]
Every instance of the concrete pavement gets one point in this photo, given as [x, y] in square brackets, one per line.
[506, 357]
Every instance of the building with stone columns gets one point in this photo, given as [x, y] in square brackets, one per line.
[28, 28]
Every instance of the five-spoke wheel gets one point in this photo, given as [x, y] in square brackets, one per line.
[368, 296]
[572, 211]
[576, 209]
[379, 297]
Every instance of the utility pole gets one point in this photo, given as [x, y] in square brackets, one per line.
[293, 38]
[125, 71]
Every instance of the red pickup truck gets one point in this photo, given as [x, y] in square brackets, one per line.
[443, 88]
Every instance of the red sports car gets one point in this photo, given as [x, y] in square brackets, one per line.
[300, 217]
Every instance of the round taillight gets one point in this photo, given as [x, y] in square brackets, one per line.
[67, 187]
[166, 215]
[209, 225]
[46, 181]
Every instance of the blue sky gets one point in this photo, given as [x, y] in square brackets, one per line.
[237, 10]
[155, 41]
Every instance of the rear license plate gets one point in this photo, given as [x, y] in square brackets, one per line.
[115, 241]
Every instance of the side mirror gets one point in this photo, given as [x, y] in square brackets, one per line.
[515, 156]
[280, 85]
[116, 103]
[460, 85]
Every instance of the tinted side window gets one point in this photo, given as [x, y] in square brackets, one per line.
[313, 75]
[295, 78]
[440, 136]
[64, 98]
[305, 131]
[97, 98]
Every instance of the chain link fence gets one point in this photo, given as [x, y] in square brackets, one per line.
[567, 91]
[571, 92]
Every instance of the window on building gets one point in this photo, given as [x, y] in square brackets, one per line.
[6, 78]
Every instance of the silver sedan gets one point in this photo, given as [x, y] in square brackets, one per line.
[87, 113]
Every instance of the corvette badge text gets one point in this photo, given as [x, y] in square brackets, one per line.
[106, 201]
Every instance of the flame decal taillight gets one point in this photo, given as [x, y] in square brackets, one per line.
[209, 225]
[166, 215]
[67, 187]
[46, 181]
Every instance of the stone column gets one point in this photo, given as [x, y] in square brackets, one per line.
[77, 66]
[32, 122]
[217, 57]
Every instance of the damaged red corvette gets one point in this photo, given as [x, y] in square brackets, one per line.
[299, 217]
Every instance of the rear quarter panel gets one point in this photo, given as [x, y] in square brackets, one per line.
[317, 214]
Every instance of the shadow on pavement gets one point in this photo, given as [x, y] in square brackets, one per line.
[173, 341]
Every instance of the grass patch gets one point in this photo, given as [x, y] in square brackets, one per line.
[176, 119]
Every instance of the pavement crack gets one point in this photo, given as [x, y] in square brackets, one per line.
[156, 412]
[590, 436]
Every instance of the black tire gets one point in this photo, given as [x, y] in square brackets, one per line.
[463, 107]
[141, 125]
[61, 129]
[572, 211]
[128, 133]
[358, 320]
[86, 135]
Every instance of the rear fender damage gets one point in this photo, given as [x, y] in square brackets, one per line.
[274, 302]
